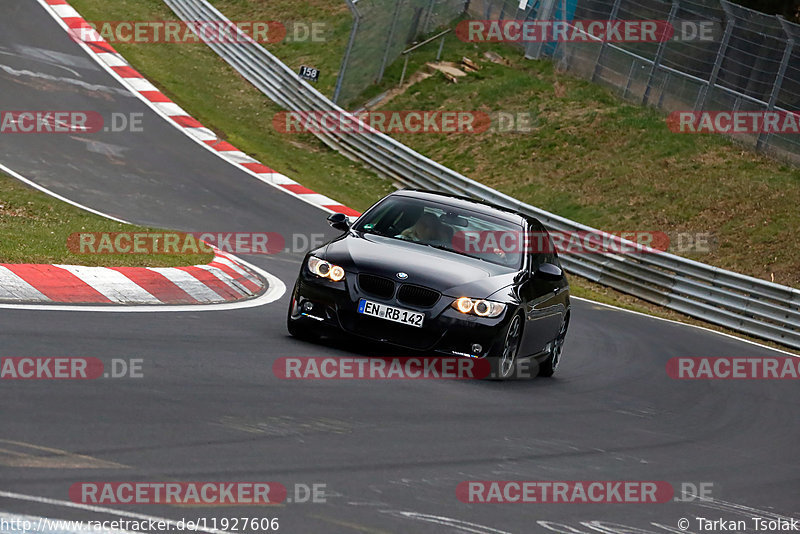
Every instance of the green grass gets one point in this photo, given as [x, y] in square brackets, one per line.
[34, 228]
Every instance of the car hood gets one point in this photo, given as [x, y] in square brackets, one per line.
[452, 274]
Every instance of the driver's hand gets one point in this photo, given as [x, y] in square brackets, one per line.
[500, 252]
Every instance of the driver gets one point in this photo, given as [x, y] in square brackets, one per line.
[427, 229]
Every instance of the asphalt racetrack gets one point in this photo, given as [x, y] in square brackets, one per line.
[390, 453]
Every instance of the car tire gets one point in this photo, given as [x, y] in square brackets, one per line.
[550, 365]
[504, 362]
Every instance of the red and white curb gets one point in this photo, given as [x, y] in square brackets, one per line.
[82, 32]
[223, 280]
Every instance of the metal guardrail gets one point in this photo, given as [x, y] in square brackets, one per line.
[741, 303]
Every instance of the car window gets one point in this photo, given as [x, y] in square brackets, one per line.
[442, 226]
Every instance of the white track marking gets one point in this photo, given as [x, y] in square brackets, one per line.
[276, 178]
[321, 199]
[757, 344]
[65, 11]
[12, 287]
[170, 108]
[201, 134]
[112, 59]
[112, 284]
[236, 156]
[99, 510]
[142, 84]
[56, 195]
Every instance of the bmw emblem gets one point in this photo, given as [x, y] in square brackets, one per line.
[401, 275]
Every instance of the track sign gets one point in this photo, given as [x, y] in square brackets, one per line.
[309, 73]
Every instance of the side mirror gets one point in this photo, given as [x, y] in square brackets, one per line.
[548, 271]
[339, 221]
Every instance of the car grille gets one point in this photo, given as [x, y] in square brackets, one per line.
[376, 285]
[417, 296]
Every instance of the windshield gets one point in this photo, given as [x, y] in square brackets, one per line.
[441, 226]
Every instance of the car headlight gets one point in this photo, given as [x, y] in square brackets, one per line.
[325, 269]
[479, 307]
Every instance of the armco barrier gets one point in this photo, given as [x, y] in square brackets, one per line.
[741, 303]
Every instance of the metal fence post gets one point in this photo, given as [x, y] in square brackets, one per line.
[562, 48]
[730, 21]
[659, 54]
[776, 87]
[630, 80]
[441, 49]
[350, 43]
[502, 10]
[611, 16]
[389, 40]
[425, 28]
[488, 12]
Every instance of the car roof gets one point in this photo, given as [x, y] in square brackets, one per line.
[466, 203]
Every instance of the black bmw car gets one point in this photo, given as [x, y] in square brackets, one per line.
[438, 273]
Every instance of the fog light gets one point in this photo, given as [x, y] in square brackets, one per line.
[308, 306]
[476, 349]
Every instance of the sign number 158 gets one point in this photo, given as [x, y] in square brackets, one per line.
[309, 73]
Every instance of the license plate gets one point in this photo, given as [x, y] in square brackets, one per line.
[390, 313]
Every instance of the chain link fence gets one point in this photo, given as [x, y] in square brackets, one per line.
[752, 63]
[381, 30]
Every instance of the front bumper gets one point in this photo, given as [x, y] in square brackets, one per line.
[333, 306]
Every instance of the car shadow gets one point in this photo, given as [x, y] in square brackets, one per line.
[344, 346]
